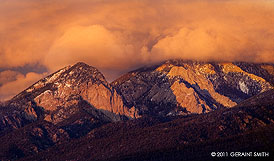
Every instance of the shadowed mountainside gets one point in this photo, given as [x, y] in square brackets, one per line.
[246, 127]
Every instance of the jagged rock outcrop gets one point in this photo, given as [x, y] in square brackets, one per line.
[179, 87]
[62, 94]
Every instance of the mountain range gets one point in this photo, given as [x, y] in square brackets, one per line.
[167, 111]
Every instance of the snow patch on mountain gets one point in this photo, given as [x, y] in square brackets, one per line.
[243, 87]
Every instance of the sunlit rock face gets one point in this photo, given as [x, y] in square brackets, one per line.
[179, 87]
[174, 87]
[80, 82]
[62, 95]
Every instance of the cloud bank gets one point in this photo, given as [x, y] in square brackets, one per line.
[16, 82]
[119, 35]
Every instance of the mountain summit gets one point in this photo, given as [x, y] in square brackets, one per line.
[60, 96]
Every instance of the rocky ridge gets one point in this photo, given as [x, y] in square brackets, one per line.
[175, 87]
[180, 87]
[59, 96]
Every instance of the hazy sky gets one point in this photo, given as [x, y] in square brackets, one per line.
[40, 36]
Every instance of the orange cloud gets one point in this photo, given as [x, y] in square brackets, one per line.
[120, 35]
[134, 32]
[18, 83]
[92, 44]
[229, 31]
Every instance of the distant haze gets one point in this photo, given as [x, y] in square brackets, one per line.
[119, 35]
